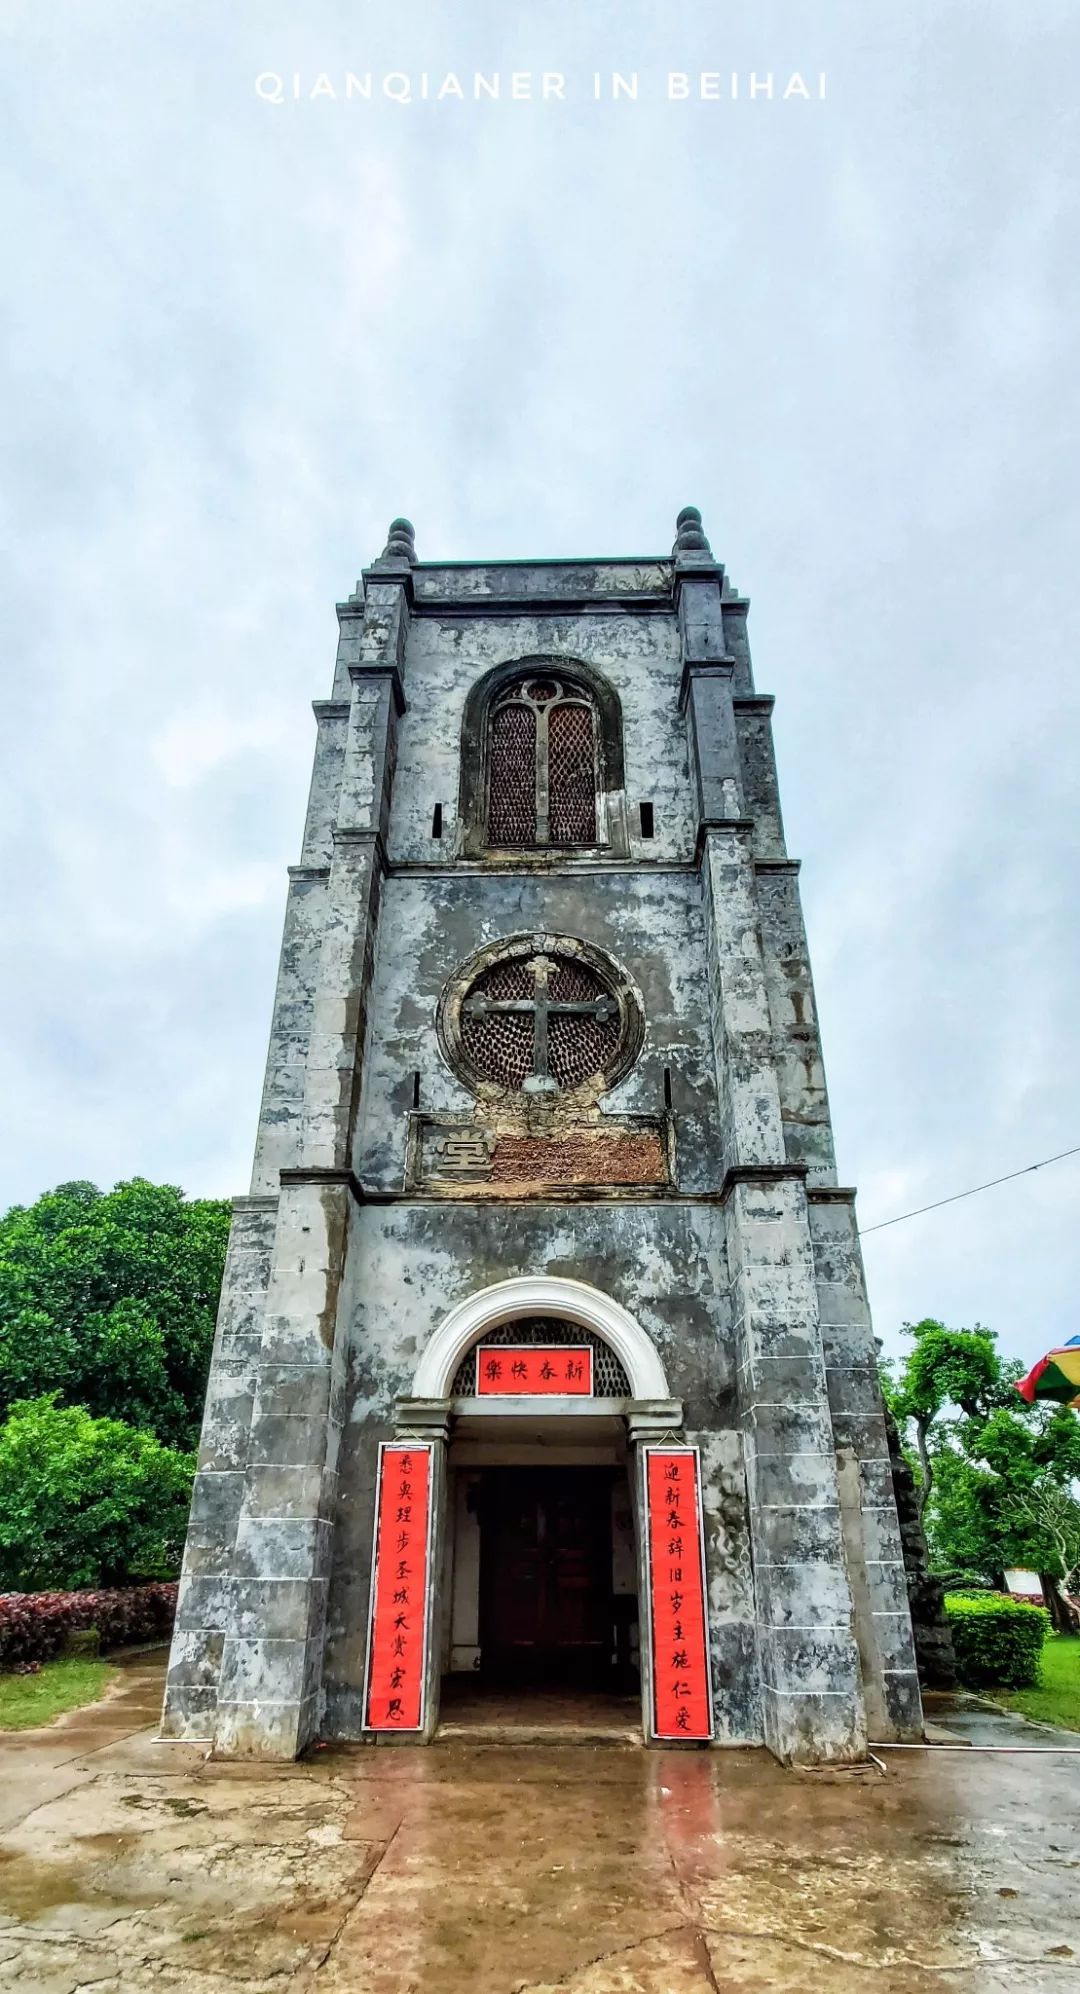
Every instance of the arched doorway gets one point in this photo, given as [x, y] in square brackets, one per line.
[542, 1388]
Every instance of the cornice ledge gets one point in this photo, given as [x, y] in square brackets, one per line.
[358, 673]
[481, 608]
[346, 835]
[728, 827]
[425, 1419]
[651, 1420]
[318, 1174]
[722, 668]
[695, 565]
[395, 574]
[760, 1173]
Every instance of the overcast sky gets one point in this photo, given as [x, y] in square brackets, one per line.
[243, 335]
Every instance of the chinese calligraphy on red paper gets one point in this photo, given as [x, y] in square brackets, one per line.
[505, 1369]
[398, 1634]
[682, 1703]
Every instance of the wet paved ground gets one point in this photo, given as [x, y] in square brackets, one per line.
[474, 1868]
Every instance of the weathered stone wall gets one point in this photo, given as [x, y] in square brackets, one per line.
[753, 720]
[729, 1568]
[796, 1049]
[277, 1145]
[663, 1262]
[217, 1499]
[871, 1529]
[649, 923]
[638, 655]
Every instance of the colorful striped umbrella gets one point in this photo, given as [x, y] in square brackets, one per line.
[1055, 1376]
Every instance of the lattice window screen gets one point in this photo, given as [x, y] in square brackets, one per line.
[609, 1379]
[572, 775]
[512, 776]
[500, 1046]
[578, 1047]
[542, 767]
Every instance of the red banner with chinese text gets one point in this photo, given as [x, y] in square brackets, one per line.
[397, 1639]
[507, 1368]
[682, 1697]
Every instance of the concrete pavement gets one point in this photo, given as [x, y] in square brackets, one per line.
[486, 1868]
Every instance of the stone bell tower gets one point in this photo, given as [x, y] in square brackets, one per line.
[543, 1355]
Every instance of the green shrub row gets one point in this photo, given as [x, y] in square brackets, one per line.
[997, 1641]
[34, 1626]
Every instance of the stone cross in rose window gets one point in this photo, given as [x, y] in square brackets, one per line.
[542, 1006]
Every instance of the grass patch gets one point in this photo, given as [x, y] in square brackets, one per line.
[1056, 1697]
[26, 1701]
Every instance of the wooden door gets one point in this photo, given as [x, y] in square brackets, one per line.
[545, 1576]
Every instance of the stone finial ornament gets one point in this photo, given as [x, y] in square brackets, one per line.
[400, 542]
[690, 537]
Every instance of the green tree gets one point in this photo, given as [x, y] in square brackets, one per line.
[986, 1460]
[87, 1502]
[947, 1368]
[108, 1300]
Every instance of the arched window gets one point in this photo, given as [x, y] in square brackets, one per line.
[543, 777]
[541, 763]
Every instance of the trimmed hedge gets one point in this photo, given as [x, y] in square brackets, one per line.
[35, 1625]
[997, 1641]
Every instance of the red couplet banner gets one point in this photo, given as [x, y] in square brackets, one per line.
[397, 1638]
[527, 1368]
[682, 1699]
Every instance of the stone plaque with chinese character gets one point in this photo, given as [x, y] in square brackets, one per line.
[512, 1162]
[530, 1369]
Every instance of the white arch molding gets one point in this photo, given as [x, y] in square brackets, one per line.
[539, 1294]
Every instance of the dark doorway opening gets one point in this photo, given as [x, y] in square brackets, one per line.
[548, 1617]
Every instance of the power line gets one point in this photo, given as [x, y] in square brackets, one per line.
[957, 1195]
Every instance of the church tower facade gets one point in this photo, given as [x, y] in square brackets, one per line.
[544, 1357]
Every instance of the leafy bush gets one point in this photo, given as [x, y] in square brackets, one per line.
[87, 1502]
[35, 1625]
[997, 1641]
